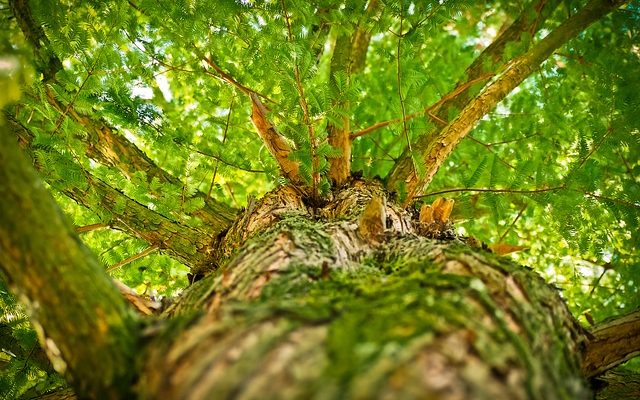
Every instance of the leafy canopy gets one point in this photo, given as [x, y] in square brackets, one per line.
[557, 161]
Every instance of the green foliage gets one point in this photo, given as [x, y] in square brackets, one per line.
[562, 150]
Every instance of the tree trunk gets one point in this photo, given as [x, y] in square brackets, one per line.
[351, 298]
[321, 308]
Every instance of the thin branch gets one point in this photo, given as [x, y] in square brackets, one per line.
[513, 140]
[512, 224]
[445, 141]
[490, 61]
[489, 190]
[133, 258]
[225, 162]
[89, 228]
[315, 161]
[488, 147]
[103, 143]
[609, 199]
[626, 163]
[405, 131]
[596, 147]
[224, 139]
[428, 111]
[74, 99]
[532, 191]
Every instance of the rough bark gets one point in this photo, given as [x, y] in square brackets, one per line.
[617, 385]
[441, 144]
[611, 343]
[311, 308]
[70, 299]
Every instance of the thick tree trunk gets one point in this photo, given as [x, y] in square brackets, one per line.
[320, 308]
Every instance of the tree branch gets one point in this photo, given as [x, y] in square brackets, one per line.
[313, 142]
[47, 265]
[443, 143]
[186, 244]
[133, 258]
[489, 190]
[103, 143]
[89, 228]
[349, 55]
[485, 66]
[275, 142]
[612, 343]
[428, 111]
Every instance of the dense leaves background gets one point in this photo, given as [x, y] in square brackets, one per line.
[557, 161]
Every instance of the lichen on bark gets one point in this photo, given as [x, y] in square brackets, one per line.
[409, 317]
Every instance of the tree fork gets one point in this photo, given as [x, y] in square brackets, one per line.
[311, 307]
[484, 67]
[443, 143]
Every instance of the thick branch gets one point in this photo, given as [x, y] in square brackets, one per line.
[443, 143]
[617, 385]
[485, 66]
[276, 143]
[183, 243]
[69, 297]
[612, 343]
[104, 144]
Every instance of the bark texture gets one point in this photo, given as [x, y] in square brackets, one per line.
[611, 343]
[309, 307]
[70, 299]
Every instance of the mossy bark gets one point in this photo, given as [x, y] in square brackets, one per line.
[308, 307]
[81, 319]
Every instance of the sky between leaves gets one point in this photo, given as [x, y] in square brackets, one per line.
[574, 124]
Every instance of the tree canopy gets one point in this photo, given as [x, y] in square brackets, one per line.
[154, 122]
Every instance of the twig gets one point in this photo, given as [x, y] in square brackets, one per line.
[429, 111]
[224, 139]
[133, 258]
[488, 147]
[89, 228]
[512, 224]
[513, 140]
[489, 190]
[315, 162]
[399, 80]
